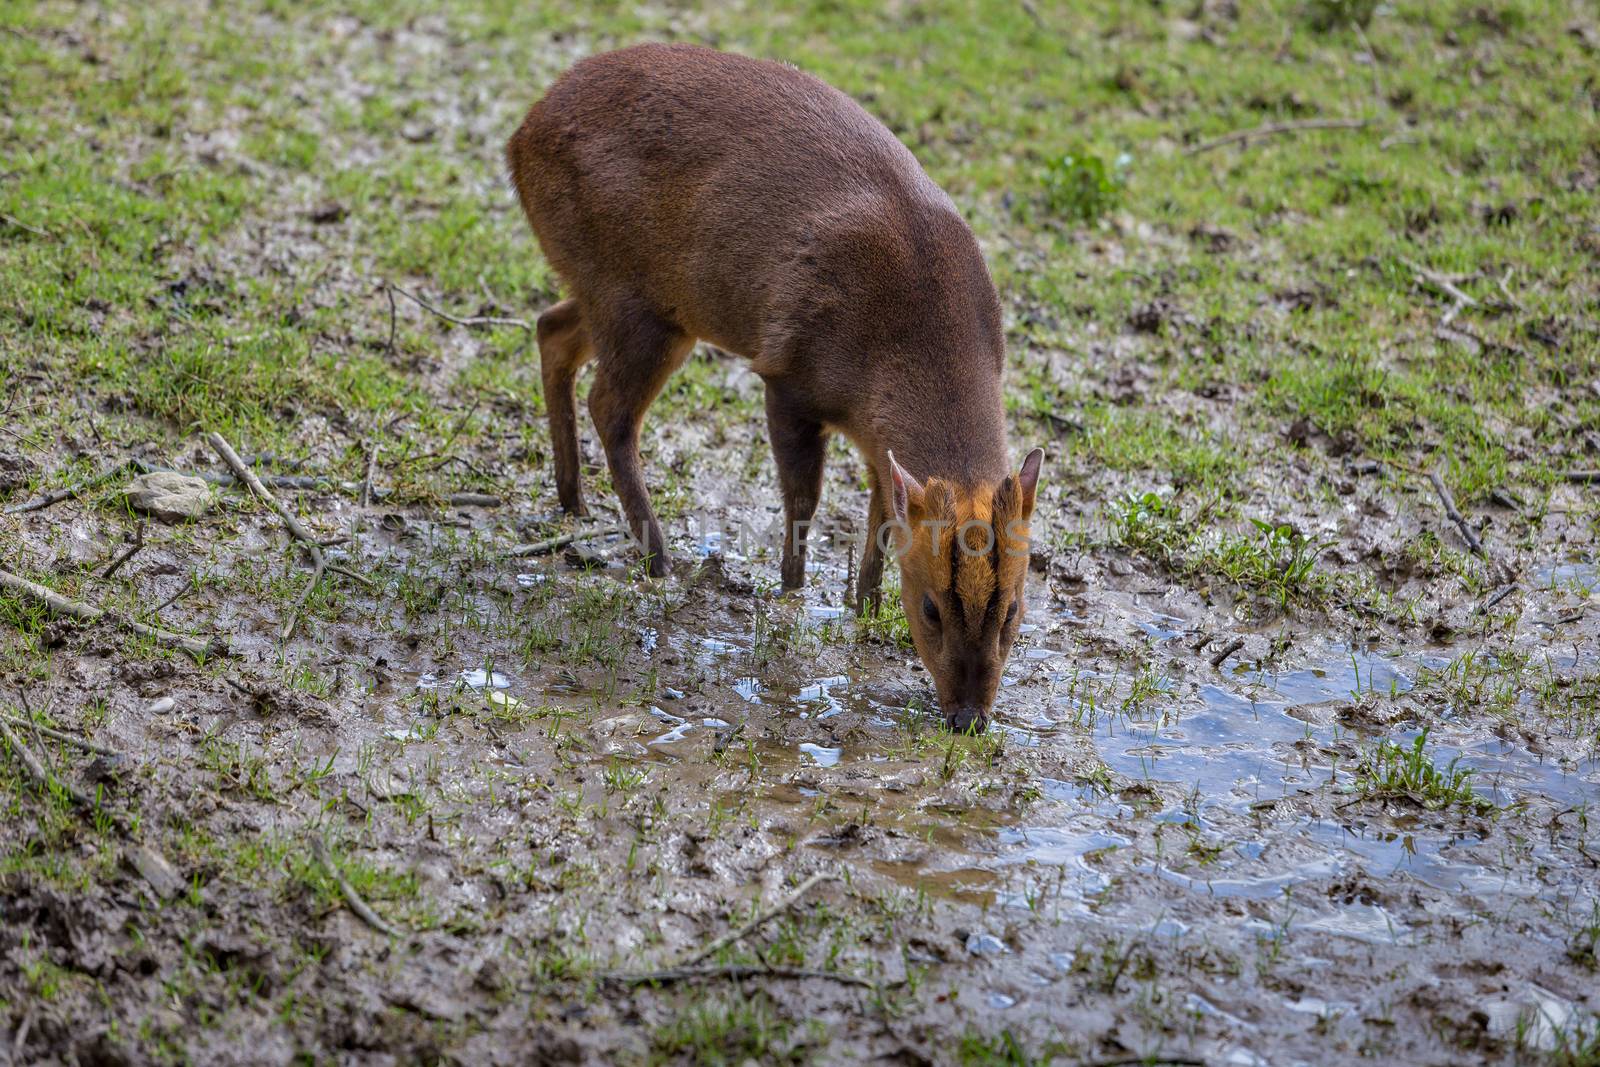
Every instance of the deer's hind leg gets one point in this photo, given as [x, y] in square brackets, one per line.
[636, 351]
[564, 347]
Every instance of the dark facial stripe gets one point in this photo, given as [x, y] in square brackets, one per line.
[993, 609]
[955, 568]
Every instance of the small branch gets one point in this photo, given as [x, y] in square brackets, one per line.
[1273, 129]
[473, 320]
[1453, 515]
[1060, 423]
[39, 503]
[36, 770]
[1227, 650]
[60, 735]
[475, 500]
[1445, 283]
[1583, 477]
[19, 224]
[1516, 305]
[276, 481]
[542, 548]
[1494, 598]
[756, 923]
[133, 550]
[741, 970]
[351, 897]
[183, 590]
[313, 546]
[388, 291]
[60, 605]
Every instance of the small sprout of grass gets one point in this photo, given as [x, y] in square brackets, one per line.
[622, 777]
[1080, 186]
[1393, 771]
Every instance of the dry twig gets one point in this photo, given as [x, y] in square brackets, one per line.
[1227, 650]
[133, 549]
[1453, 515]
[1494, 598]
[471, 320]
[36, 770]
[742, 970]
[541, 548]
[756, 923]
[61, 735]
[1272, 129]
[300, 533]
[363, 911]
[60, 605]
[56, 496]
[19, 224]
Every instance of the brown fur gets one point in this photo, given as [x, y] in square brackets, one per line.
[683, 193]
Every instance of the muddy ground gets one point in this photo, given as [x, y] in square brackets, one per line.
[1282, 772]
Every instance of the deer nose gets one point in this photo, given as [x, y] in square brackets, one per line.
[967, 718]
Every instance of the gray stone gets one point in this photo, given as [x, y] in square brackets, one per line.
[153, 867]
[169, 496]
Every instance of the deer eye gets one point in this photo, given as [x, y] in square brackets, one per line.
[930, 610]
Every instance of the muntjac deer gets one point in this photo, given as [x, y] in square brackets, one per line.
[686, 194]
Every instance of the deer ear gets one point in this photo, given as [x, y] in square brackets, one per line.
[905, 492]
[1028, 478]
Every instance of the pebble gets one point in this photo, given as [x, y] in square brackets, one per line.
[161, 707]
[985, 945]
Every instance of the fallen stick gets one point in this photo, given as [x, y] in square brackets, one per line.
[372, 468]
[1227, 650]
[756, 923]
[1494, 598]
[351, 897]
[313, 546]
[276, 481]
[1453, 515]
[1583, 477]
[133, 550]
[60, 735]
[19, 224]
[1272, 129]
[36, 770]
[1442, 282]
[56, 496]
[741, 970]
[473, 320]
[60, 605]
[540, 548]
[475, 500]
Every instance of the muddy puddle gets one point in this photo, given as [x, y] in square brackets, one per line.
[1174, 810]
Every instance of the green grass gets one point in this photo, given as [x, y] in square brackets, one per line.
[1393, 771]
[727, 1032]
[1273, 564]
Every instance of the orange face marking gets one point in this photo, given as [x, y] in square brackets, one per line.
[961, 577]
